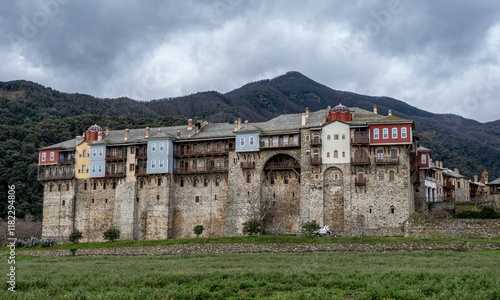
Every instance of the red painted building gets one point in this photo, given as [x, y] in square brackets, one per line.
[48, 156]
[391, 133]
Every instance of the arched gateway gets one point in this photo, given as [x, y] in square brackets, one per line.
[280, 195]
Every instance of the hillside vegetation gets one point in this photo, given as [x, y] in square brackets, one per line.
[34, 116]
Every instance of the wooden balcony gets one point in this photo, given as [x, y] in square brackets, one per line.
[190, 170]
[248, 165]
[203, 152]
[359, 161]
[316, 161]
[273, 145]
[141, 155]
[115, 174]
[141, 171]
[449, 185]
[64, 176]
[387, 160]
[116, 156]
[360, 181]
[360, 140]
[282, 165]
[70, 161]
[316, 142]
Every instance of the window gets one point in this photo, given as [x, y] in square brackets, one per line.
[391, 175]
[250, 141]
[181, 182]
[51, 187]
[272, 178]
[458, 184]
[385, 133]
[328, 137]
[249, 177]
[114, 185]
[205, 181]
[370, 209]
[153, 164]
[106, 200]
[94, 152]
[343, 136]
[380, 154]
[335, 154]
[242, 141]
[99, 168]
[84, 153]
[131, 167]
[327, 154]
[85, 185]
[153, 147]
[161, 163]
[307, 137]
[51, 155]
[195, 182]
[64, 202]
[381, 176]
[59, 187]
[403, 133]
[217, 181]
[162, 146]
[132, 150]
[392, 209]
[93, 169]
[67, 186]
[197, 199]
[44, 156]
[158, 181]
[394, 153]
[84, 169]
[335, 136]
[94, 186]
[101, 152]
[423, 159]
[93, 200]
[343, 153]
[394, 133]
[285, 178]
[376, 133]
[141, 184]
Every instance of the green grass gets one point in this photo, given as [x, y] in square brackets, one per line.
[391, 275]
[263, 239]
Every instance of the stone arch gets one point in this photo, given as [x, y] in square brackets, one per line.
[280, 198]
[333, 195]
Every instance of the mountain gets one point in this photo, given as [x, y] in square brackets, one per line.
[33, 116]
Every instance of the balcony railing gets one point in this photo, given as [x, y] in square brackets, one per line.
[360, 140]
[203, 152]
[140, 171]
[116, 156]
[360, 161]
[69, 161]
[115, 174]
[141, 155]
[449, 185]
[360, 181]
[316, 142]
[212, 169]
[316, 160]
[64, 176]
[387, 160]
[269, 145]
[282, 165]
[248, 165]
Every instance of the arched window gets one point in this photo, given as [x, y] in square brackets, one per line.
[394, 153]
[327, 154]
[392, 209]
[195, 181]
[343, 136]
[285, 178]
[272, 178]
[205, 181]
[328, 137]
[391, 175]
[343, 153]
[335, 154]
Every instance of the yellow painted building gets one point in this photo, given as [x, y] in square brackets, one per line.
[82, 157]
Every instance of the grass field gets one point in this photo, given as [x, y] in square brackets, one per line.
[391, 275]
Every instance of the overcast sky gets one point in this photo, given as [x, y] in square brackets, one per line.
[441, 56]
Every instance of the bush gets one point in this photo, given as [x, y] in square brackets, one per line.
[251, 227]
[198, 230]
[485, 213]
[111, 234]
[75, 236]
[438, 214]
[308, 228]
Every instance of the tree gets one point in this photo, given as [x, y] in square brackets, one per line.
[198, 230]
[75, 236]
[308, 228]
[251, 227]
[111, 234]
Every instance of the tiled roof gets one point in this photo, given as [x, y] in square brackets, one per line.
[66, 145]
[450, 173]
[494, 182]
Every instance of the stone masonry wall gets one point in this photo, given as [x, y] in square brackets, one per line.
[455, 228]
[58, 208]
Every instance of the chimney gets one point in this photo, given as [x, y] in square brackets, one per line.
[99, 135]
[375, 111]
[235, 125]
[106, 132]
[307, 112]
[456, 171]
[178, 135]
[148, 132]
[159, 131]
[126, 134]
[246, 124]
[303, 119]
[390, 112]
[475, 178]
[190, 124]
[239, 123]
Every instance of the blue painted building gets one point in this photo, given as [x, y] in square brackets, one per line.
[160, 156]
[97, 166]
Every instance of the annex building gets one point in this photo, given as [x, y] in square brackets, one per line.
[352, 169]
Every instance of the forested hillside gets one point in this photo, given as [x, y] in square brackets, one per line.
[34, 116]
